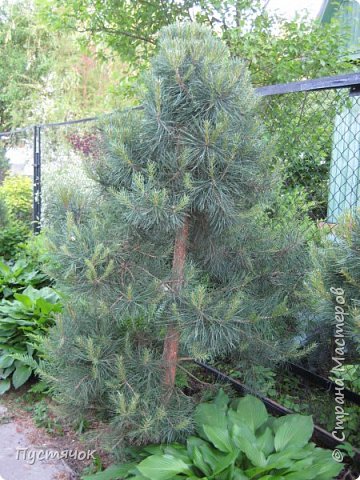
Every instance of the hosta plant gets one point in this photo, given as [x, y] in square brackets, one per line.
[22, 321]
[16, 276]
[235, 441]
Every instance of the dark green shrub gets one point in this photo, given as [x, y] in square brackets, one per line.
[16, 192]
[23, 320]
[15, 214]
[11, 239]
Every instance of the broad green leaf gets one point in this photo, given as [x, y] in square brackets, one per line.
[265, 442]
[162, 467]
[5, 372]
[4, 269]
[4, 386]
[6, 361]
[325, 465]
[209, 454]
[24, 299]
[221, 400]
[219, 437]
[210, 414]
[224, 462]
[272, 477]
[284, 459]
[238, 474]
[292, 430]
[21, 374]
[310, 474]
[198, 459]
[246, 441]
[241, 431]
[252, 412]
[153, 449]
[112, 473]
[178, 451]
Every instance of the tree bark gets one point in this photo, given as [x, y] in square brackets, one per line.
[171, 343]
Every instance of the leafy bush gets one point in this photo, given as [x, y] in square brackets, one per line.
[12, 238]
[16, 191]
[16, 276]
[22, 321]
[15, 214]
[237, 441]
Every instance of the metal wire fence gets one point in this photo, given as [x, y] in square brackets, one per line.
[315, 125]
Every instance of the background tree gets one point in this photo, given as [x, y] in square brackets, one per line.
[276, 50]
[4, 164]
[23, 63]
[336, 266]
[174, 246]
[46, 75]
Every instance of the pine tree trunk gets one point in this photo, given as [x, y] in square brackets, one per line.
[171, 343]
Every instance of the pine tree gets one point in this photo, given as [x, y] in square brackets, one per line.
[174, 255]
[336, 277]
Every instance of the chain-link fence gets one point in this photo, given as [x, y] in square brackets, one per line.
[315, 126]
[316, 129]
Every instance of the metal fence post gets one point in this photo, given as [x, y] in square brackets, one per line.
[37, 180]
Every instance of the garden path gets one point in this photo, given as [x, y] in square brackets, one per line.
[18, 452]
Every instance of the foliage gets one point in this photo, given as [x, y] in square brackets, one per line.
[302, 122]
[16, 192]
[44, 419]
[11, 239]
[239, 441]
[4, 216]
[4, 166]
[302, 397]
[276, 50]
[15, 214]
[175, 244]
[47, 76]
[350, 375]
[16, 276]
[22, 65]
[336, 266]
[22, 321]
[280, 51]
[128, 28]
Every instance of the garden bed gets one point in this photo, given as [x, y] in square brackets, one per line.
[284, 393]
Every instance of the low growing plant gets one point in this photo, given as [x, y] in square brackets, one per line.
[16, 276]
[12, 237]
[350, 375]
[235, 440]
[22, 321]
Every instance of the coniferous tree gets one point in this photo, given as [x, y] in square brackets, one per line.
[175, 254]
[336, 278]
